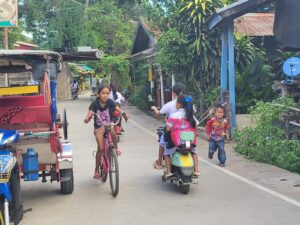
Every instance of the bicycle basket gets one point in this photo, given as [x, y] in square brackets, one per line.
[7, 163]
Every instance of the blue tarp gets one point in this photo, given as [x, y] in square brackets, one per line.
[53, 98]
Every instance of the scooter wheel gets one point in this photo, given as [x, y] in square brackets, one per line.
[184, 189]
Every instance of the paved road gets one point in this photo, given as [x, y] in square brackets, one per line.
[220, 198]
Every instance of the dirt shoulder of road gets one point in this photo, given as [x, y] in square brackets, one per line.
[271, 177]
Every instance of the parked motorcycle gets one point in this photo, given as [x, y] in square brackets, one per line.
[11, 208]
[182, 164]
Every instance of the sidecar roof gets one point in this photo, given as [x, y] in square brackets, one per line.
[31, 55]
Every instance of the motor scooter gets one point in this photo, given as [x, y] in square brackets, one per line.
[74, 93]
[11, 208]
[182, 164]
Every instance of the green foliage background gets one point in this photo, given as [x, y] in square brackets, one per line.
[185, 48]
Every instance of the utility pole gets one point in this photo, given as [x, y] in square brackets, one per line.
[162, 91]
[87, 3]
[83, 39]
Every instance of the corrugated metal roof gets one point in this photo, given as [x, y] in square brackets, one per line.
[255, 24]
[235, 10]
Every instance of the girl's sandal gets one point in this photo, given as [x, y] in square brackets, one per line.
[196, 174]
[118, 151]
[167, 176]
[97, 176]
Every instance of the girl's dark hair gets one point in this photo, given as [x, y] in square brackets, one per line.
[102, 86]
[114, 91]
[178, 89]
[186, 102]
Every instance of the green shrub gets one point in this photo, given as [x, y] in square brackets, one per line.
[139, 98]
[265, 142]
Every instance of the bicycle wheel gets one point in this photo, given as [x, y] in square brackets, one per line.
[114, 173]
[104, 169]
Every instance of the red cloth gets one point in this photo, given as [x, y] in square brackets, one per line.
[22, 101]
[46, 89]
[217, 128]
[24, 109]
[18, 115]
[55, 143]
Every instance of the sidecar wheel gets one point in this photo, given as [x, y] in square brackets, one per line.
[67, 181]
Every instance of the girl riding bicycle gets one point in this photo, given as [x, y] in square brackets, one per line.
[103, 107]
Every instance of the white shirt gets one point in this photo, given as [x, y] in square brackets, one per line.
[119, 99]
[179, 114]
[169, 108]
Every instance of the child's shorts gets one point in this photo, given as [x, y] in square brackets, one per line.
[162, 142]
[171, 151]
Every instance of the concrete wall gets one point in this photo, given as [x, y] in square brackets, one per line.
[64, 83]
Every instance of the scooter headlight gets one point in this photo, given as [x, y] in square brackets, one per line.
[7, 162]
[9, 140]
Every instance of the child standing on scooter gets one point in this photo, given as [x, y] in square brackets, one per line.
[180, 121]
[216, 129]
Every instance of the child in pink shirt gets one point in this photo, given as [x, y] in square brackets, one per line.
[182, 120]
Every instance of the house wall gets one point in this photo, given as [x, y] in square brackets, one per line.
[64, 83]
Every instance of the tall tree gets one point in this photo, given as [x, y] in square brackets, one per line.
[53, 23]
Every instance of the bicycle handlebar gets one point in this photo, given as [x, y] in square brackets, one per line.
[111, 123]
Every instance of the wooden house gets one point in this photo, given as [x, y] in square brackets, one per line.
[144, 49]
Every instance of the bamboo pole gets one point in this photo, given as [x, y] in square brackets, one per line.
[5, 30]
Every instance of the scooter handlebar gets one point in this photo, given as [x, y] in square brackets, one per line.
[28, 133]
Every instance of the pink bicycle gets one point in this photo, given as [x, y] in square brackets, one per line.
[109, 160]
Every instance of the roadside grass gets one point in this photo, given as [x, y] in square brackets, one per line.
[265, 142]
